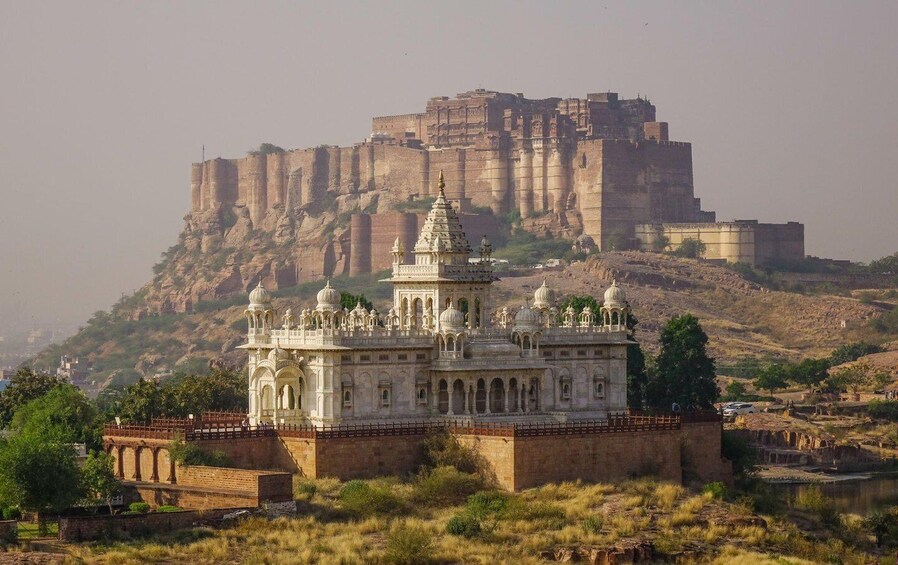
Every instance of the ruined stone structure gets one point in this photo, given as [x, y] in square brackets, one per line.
[740, 241]
[441, 350]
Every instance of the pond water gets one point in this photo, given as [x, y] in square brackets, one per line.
[858, 497]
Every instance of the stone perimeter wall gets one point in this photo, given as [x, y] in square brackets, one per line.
[691, 453]
[86, 528]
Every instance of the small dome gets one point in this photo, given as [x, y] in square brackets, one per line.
[259, 296]
[525, 318]
[544, 296]
[615, 296]
[452, 319]
[278, 353]
[328, 297]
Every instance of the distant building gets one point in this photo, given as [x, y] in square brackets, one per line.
[72, 369]
[739, 241]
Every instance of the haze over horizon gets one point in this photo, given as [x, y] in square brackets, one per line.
[790, 108]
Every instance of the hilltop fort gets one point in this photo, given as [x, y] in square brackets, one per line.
[600, 168]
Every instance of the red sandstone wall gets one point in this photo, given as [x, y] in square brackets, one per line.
[86, 528]
[702, 459]
[365, 457]
[597, 457]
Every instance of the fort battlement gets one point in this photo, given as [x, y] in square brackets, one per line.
[499, 150]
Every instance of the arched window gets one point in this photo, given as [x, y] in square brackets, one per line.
[385, 397]
[565, 391]
[347, 399]
[422, 395]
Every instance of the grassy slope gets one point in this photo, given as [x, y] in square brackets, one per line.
[740, 317]
[695, 527]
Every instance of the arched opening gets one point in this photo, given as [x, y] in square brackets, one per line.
[533, 396]
[497, 396]
[403, 313]
[286, 398]
[477, 313]
[267, 400]
[385, 397]
[443, 397]
[513, 395]
[347, 399]
[417, 313]
[525, 343]
[463, 308]
[458, 397]
[480, 397]
[428, 313]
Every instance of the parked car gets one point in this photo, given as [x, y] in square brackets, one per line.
[735, 408]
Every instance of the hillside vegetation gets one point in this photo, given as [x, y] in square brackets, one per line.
[742, 318]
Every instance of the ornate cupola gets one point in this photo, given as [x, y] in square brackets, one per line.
[544, 297]
[615, 308]
[259, 313]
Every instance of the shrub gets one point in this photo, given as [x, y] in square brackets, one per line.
[593, 524]
[408, 545]
[306, 488]
[364, 499]
[168, 508]
[191, 454]
[139, 507]
[489, 507]
[445, 486]
[441, 449]
[716, 489]
[12, 513]
[883, 410]
[464, 525]
[813, 500]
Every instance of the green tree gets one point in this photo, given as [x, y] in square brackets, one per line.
[39, 474]
[25, 386]
[144, 400]
[98, 478]
[809, 372]
[350, 301]
[852, 352]
[690, 248]
[220, 390]
[64, 413]
[855, 377]
[887, 265]
[684, 373]
[773, 377]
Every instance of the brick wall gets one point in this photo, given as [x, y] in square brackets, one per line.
[85, 528]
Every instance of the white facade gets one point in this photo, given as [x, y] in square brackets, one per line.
[440, 351]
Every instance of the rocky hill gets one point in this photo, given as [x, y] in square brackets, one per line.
[741, 317]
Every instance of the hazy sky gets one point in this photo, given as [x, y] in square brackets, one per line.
[790, 107]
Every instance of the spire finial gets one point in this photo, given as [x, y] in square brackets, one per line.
[441, 185]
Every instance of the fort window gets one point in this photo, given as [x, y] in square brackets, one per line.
[346, 358]
[385, 397]
[565, 353]
[383, 357]
[402, 357]
[420, 356]
[364, 358]
[599, 389]
[347, 399]
[581, 353]
[422, 395]
[547, 353]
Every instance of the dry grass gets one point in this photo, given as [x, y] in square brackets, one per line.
[536, 520]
